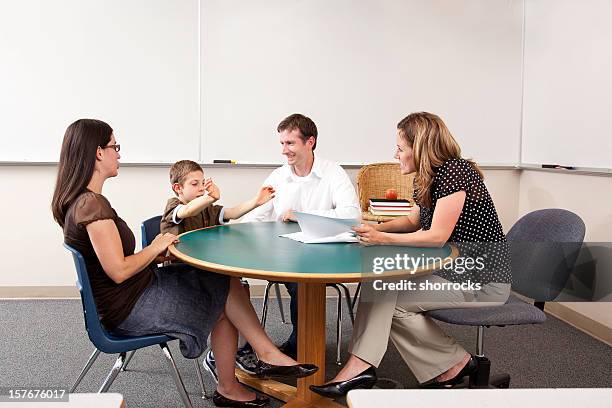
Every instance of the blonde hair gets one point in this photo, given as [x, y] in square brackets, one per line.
[432, 145]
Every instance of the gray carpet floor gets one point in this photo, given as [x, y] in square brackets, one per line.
[44, 344]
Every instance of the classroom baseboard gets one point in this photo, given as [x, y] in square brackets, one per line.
[38, 292]
[70, 292]
[578, 320]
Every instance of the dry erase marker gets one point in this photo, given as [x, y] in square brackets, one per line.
[557, 166]
[225, 161]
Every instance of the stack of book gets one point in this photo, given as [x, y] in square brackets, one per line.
[381, 206]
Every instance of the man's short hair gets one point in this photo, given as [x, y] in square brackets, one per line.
[303, 123]
[181, 169]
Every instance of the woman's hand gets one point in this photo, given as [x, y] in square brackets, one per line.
[265, 194]
[163, 241]
[369, 235]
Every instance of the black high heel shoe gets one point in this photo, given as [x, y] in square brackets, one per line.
[470, 368]
[265, 370]
[366, 379]
[222, 401]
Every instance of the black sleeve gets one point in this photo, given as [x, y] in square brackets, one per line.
[453, 176]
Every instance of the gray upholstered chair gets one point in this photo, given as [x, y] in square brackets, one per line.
[544, 245]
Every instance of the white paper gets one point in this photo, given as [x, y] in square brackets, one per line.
[300, 237]
[317, 226]
[317, 229]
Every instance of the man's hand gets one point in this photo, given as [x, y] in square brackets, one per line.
[212, 189]
[265, 194]
[289, 216]
[369, 235]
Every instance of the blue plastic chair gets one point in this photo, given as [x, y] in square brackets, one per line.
[109, 343]
[149, 229]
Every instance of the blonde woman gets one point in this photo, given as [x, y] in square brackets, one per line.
[453, 205]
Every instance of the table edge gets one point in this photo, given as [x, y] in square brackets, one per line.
[284, 276]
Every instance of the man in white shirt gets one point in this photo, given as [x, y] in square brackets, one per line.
[306, 183]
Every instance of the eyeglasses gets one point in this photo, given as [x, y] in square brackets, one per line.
[116, 147]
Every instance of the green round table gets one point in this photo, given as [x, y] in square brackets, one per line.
[255, 250]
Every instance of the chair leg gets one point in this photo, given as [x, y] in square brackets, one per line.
[264, 306]
[349, 303]
[355, 297]
[338, 325]
[85, 369]
[175, 374]
[201, 379]
[280, 302]
[127, 360]
[113, 373]
[480, 341]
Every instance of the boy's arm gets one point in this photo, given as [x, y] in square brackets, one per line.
[195, 206]
[265, 194]
[198, 204]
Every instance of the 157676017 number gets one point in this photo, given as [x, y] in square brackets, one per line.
[39, 394]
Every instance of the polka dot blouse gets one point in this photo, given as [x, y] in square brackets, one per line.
[478, 232]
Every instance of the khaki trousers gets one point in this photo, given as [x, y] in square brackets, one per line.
[425, 348]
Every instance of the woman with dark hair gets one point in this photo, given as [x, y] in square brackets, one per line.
[453, 205]
[132, 295]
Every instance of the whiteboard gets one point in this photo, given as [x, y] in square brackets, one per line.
[568, 87]
[132, 63]
[357, 67]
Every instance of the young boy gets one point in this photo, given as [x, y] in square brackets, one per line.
[193, 208]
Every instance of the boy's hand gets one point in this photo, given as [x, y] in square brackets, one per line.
[265, 194]
[212, 189]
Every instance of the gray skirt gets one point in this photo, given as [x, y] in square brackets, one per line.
[182, 302]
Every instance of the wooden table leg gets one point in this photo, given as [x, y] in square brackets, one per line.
[311, 349]
[311, 335]
[311, 344]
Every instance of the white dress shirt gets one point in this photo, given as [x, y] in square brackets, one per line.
[326, 191]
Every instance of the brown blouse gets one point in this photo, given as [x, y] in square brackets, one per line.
[208, 217]
[114, 301]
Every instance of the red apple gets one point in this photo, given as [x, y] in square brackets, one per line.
[391, 194]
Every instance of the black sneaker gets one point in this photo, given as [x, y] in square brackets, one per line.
[246, 359]
[210, 365]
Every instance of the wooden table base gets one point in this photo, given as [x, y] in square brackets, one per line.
[311, 349]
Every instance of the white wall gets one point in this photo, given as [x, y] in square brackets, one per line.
[31, 245]
[133, 63]
[567, 86]
[566, 117]
[357, 67]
